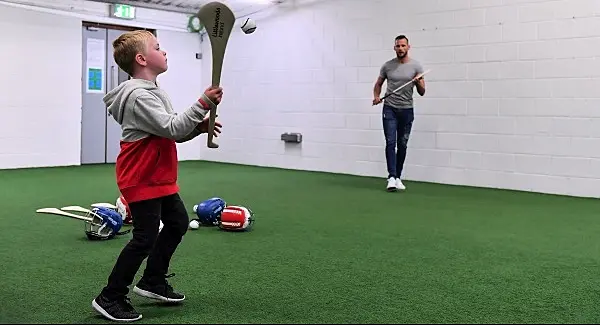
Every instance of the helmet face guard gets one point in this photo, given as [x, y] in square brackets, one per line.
[105, 224]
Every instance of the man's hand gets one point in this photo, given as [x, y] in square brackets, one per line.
[203, 126]
[376, 100]
[215, 94]
[420, 84]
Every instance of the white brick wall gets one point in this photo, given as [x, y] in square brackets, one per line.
[512, 101]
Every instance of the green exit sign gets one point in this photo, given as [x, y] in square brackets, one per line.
[123, 11]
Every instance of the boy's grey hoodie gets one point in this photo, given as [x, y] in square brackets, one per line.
[143, 109]
[147, 164]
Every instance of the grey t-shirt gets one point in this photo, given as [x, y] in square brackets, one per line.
[396, 74]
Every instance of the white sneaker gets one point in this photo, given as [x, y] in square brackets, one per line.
[392, 185]
[399, 184]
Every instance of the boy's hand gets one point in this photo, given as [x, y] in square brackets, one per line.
[203, 126]
[214, 94]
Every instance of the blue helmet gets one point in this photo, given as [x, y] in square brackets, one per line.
[105, 223]
[208, 211]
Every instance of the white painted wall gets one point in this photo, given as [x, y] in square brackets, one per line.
[41, 89]
[98, 12]
[512, 101]
[41, 77]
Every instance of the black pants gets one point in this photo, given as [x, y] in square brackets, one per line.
[147, 242]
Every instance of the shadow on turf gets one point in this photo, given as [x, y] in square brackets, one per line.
[353, 181]
[150, 310]
[363, 183]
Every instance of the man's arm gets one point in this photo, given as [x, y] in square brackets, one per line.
[420, 83]
[378, 84]
[377, 88]
[151, 117]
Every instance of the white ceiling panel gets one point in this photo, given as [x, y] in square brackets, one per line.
[187, 6]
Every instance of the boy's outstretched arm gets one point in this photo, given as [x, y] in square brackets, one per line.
[200, 129]
[196, 132]
[151, 117]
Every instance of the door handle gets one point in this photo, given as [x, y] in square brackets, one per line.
[113, 84]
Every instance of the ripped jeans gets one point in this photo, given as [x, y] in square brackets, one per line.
[397, 124]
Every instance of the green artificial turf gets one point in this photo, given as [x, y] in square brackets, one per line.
[325, 248]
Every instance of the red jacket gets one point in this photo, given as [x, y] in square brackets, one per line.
[147, 168]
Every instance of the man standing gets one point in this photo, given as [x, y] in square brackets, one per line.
[398, 114]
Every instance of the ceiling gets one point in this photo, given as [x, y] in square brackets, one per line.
[186, 6]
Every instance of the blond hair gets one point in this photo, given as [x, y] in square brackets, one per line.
[127, 46]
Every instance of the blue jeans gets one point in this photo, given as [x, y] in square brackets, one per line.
[397, 124]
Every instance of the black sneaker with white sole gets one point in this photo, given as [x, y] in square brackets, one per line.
[161, 291]
[119, 310]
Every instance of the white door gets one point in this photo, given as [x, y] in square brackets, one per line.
[100, 133]
[116, 77]
[93, 112]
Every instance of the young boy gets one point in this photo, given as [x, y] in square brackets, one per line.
[146, 171]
